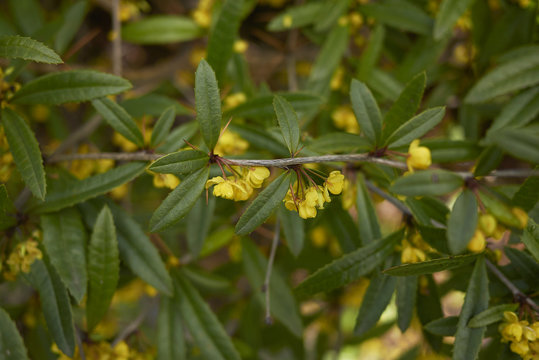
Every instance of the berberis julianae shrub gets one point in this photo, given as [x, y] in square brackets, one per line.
[242, 179]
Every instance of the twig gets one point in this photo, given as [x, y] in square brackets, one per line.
[117, 39]
[399, 205]
[266, 285]
[134, 156]
[74, 138]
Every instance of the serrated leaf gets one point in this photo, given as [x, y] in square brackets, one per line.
[515, 74]
[427, 182]
[400, 14]
[181, 162]
[488, 160]
[501, 211]
[103, 268]
[162, 126]
[90, 187]
[405, 106]
[446, 326]
[406, 296]
[178, 203]
[161, 29]
[350, 266]
[64, 237]
[282, 303]
[18, 47]
[55, 305]
[288, 122]
[366, 111]
[7, 209]
[222, 36]
[208, 104]
[70, 86]
[416, 127]
[467, 340]
[491, 315]
[202, 323]
[528, 194]
[375, 300]
[293, 229]
[263, 205]
[301, 15]
[198, 224]
[119, 119]
[11, 344]
[336, 142]
[530, 238]
[519, 142]
[450, 11]
[462, 221]
[25, 150]
[170, 334]
[369, 228]
[430, 266]
[371, 54]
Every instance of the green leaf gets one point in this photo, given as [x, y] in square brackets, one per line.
[176, 139]
[170, 334]
[293, 229]
[499, 210]
[371, 54]
[366, 110]
[260, 139]
[64, 237]
[489, 159]
[301, 15]
[525, 265]
[450, 11]
[27, 14]
[435, 237]
[202, 323]
[25, 150]
[350, 266]
[446, 326]
[517, 73]
[90, 187]
[426, 209]
[519, 142]
[450, 151]
[400, 14]
[119, 119]
[431, 266]
[103, 268]
[518, 112]
[283, 305]
[288, 123]
[208, 104]
[7, 209]
[11, 344]
[222, 36]
[55, 305]
[198, 224]
[181, 162]
[369, 228]
[162, 126]
[329, 15]
[69, 86]
[405, 106]
[178, 203]
[528, 194]
[374, 302]
[154, 105]
[406, 297]
[161, 29]
[416, 127]
[427, 182]
[342, 226]
[384, 84]
[467, 340]
[72, 17]
[336, 142]
[462, 221]
[491, 315]
[428, 309]
[263, 205]
[18, 47]
[530, 238]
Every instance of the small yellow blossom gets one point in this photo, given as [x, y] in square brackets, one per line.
[334, 182]
[349, 194]
[165, 181]
[319, 236]
[337, 79]
[521, 215]
[23, 256]
[287, 21]
[355, 19]
[477, 243]
[231, 188]
[230, 143]
[119, 192]
[255, 176]
[120, 141]
[40, 113]
[343, 118]
[418, 156]
[202, 18]
[233, 100]
[240, 46]
[487, 224]
[411, 254]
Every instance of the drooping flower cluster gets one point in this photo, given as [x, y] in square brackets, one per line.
[240, 186]
[305, 200]
[524, 338]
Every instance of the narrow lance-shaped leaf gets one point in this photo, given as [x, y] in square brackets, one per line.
[170, 334]
[416, 127]
[11, 345]
[198, 224]
[202, 323]
[491, 315]
[70, 86]
[262, 207]
[119, 119]
[450, 11]
[288, 122]
[431, 266]
[18, 47]
[446, 326]
[162, 126]
[520, 142]
[406, 297]
[527, 195]
[208, 104]
[103, 268]
[25, 150]
[369, 57]
[181, 162]
[178, 203]
[369, 228]
[64, 237]
[428, 182]
[366, 110]
[293, 229]
[161, 29]
[349, 267]
[462, 221]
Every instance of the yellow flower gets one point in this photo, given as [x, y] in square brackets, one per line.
[334, 182]
[521, 348]
[418, 156]
[165, 180]
[240, 46]
[233, 100]
[355, 19]
[230, 143]
[119, 192]
[287, 21]
[521, 215]
[230, 188]
[120, 141]
[411, 254]
[477, 243]
[349, 193]
[306, 209]
[337, 79]
[343, 118]
[23, 256]
[256, 176]
[319, 236]
[487, 224]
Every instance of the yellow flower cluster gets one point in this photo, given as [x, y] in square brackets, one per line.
[414, 249]
[488, 227]
[202, 14]
[524, 338]
[230, 143]
[85, 167]
[240, 187]
[306, 201]
[418, 157]
[22, 258]
[233, 100]
[130, 9]
[6, 159]
[103, 351]
[343, 118]
[7, 89]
